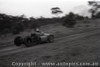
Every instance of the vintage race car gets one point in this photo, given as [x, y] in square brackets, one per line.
[33, 39]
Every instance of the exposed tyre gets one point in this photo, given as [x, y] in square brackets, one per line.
[28, 42]
[51, 38]
[18, 41]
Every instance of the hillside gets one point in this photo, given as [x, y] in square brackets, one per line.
[57, 29]
[80, 48]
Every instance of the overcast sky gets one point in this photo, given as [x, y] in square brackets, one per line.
[37, 8]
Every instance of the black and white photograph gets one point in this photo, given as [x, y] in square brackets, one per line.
[49, 33]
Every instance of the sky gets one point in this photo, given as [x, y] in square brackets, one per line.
[38, 8]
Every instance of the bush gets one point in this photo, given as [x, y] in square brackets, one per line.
[69, 20]
[17, 29]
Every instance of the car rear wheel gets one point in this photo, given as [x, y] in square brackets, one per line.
[18, 41]
[28, 42]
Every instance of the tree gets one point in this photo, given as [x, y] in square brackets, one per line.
[56, 11]
[98, 15]
[95, 8]
[69, 20]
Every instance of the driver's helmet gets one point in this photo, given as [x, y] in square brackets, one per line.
[37, 30]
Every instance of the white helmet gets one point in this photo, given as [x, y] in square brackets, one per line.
[37, 30]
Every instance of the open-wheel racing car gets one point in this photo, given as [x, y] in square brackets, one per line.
[33, 39]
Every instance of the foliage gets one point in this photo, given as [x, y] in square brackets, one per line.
[56, 11]
[69, 20]
[95, 10]
[17, 28]
[16, 24]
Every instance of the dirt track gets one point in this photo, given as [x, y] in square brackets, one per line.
[82, 47]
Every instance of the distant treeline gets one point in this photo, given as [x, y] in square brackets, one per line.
[16, 24]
